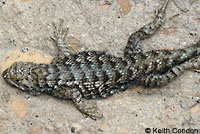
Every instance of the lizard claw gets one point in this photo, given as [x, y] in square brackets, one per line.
[59, 32]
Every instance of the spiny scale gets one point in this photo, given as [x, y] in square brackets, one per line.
[95, 74]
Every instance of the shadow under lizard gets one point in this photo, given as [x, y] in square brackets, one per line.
[95, 74]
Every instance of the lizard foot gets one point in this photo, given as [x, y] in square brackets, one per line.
[91, 110]
[59, 32]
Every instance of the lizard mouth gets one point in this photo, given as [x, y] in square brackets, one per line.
[9, 80]
[7, 77]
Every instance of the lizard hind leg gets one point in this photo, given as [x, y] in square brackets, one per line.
[194, 65]
[158, 80]
[133, 45]
[59, 38]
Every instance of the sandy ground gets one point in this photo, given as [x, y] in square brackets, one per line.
[25, 31]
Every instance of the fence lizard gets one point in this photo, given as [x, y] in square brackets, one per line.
[95, 74]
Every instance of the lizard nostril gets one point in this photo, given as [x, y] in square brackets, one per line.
[5, 73]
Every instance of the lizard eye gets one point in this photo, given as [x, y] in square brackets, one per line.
[18, 81]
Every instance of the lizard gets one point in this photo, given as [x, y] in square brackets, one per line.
[82, 77]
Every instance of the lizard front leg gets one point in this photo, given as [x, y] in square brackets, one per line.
[59, 37]
[87, 107]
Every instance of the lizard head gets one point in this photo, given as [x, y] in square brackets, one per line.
[20, 75]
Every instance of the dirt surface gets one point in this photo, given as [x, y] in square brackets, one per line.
[25, 31]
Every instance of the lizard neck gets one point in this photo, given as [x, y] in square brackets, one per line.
[49, 77]
[44, 75]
